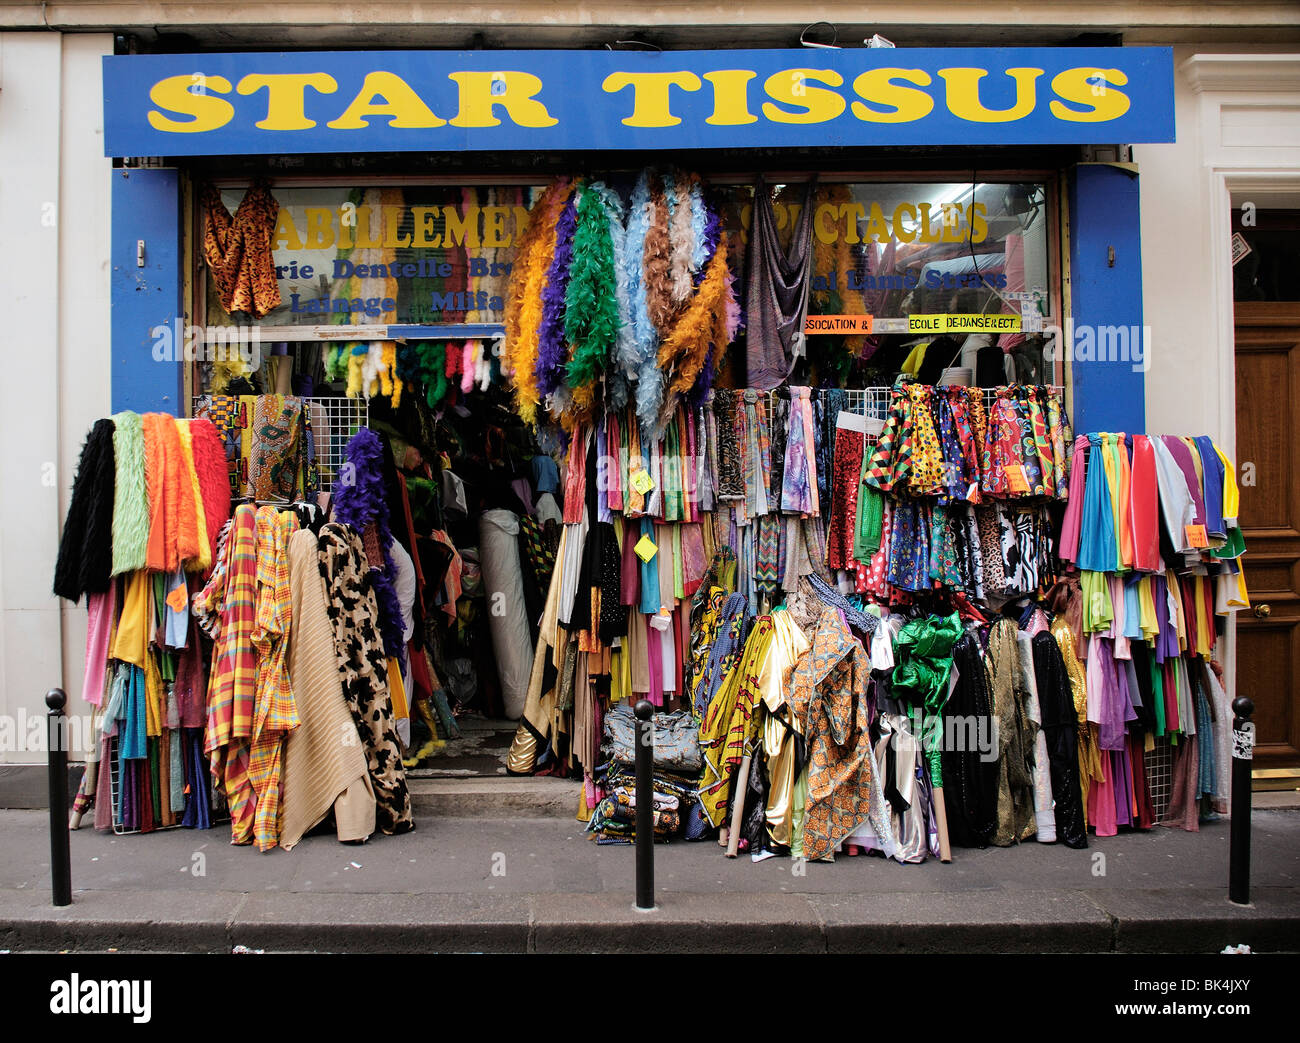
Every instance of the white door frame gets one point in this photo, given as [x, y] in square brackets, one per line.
[1248, 129]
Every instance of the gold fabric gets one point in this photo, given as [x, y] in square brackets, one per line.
[788, 644]
[1089, 752]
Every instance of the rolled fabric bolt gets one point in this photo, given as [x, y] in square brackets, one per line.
[941, 820]
[738, 808]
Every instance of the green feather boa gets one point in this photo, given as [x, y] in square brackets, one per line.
[591, 318]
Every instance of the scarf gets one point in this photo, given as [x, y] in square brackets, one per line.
[779, 283]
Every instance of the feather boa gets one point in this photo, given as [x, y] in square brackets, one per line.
[363, 502]
[638, 339]
[656, 265]
[703, 244]
[617, 377]
[590, 304]
[550, 336]
[130, 498]
[523, 313]
[698, 333]
[681, 239]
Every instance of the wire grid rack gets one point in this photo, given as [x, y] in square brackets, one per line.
[217, 812]
[874, 402]
[334, 419]
[1160, 776]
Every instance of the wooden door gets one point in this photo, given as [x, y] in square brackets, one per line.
[1268, 469]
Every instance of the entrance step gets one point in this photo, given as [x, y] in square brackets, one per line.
[511, 797]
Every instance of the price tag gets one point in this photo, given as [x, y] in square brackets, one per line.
[642, 483]
[1196, 535]
[178, 598]
[1016, 478]
[645, 548]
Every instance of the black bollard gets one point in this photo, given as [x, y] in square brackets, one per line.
[645, 805]
[1243, 752]
[60, 856]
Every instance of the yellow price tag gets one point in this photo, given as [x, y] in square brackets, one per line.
[642, 482]
[645, 548]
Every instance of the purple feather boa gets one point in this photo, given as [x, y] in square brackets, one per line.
[711, 225]
[363, 501]
[550, 336]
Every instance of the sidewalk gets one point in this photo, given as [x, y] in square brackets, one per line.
[538, 885]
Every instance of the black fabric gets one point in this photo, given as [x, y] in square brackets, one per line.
[989, 369]
[1060, 728]
[613, 613]
[85, 561]
[754, 821]
[970, 782]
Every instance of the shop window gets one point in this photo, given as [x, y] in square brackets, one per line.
[437, 255]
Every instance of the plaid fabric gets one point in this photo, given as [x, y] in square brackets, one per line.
[276, 712]
[231, 595]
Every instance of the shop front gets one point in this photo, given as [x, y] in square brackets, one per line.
[588, 376]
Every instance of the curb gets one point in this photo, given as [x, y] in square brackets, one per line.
[1175, 920]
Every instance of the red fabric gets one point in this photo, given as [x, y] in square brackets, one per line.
[1144, 507]
[420, 679]
[1146, 816]
[846, 470]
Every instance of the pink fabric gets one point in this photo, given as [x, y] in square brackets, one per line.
[655, 657]
[613, 476]
[1101, 800]
[810, 449]
[631, 585]
[693, 564]
[1074, 506]
[100, 609]
[104, 790]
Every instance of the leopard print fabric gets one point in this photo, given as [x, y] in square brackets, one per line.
[363, 666]
[238, 250]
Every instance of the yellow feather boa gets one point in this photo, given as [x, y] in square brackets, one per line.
[524, 296]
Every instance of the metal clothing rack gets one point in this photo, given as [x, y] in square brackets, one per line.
[217, 810]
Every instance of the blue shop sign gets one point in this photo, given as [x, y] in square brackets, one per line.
[448, 101]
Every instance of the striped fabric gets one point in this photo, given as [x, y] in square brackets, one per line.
[767, 555]
[231, 595]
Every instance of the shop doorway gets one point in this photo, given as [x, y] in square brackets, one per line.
[1266, 278]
